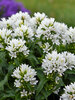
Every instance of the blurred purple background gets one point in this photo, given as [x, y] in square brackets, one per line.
[9, 7]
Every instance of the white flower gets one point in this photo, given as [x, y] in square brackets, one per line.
[47, 22]
[46, 47]
[39, 16]
[16, 73]
[24, 73]
[21, 24]
[70, 59]
[23, 31]
[45, 28]
[3, 23]
[17, 83]
[71, 34]
[24, 93]
[55, 62]
[60, 28]
[54, 31]
[5, 34]
[30, 73]
[15, 20]
[69, 92]
[36, 20]
[15, 46]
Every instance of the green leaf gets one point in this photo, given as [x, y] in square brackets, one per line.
[71, 47]
[1, 72]
[46, 93]
[70, 71]
[10, 68]
[60, 83]
[40, 73]
[43, 94]
[16, 62]
[39, 97]
[29, 86]
[9, 94]
[71, 78]
[42, 82]
[32, 59]
[18, 97]
[3, 82]
[3, 61]
[40, 86]
[38, 51]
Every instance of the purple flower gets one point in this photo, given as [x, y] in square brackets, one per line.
[9, 7]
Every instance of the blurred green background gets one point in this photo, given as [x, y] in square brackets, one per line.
[61, 10]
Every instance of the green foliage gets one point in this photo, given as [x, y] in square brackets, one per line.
[3, 82]
[32, 60]
[3, 61]
[70, 76]
[42, 82]
[3, 64]
[46, 85]
[8, 95]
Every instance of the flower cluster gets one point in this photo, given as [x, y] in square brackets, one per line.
[15, 21]
[58, 62]
[37, 48]
[15, 46]
[55, 31]
[13, 34]
[24, 74]
[40, 25]
[5, 35]
[69, 92]
[6, 10]
[23, 31]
